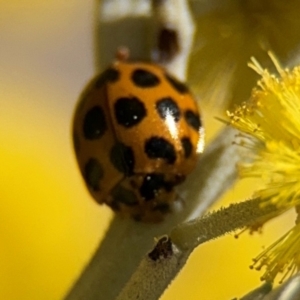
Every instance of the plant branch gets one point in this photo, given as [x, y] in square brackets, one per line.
[173, 35]
[190, 234]
[127, 242]
[157, 271]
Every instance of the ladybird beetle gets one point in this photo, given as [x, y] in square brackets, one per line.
[137, 134]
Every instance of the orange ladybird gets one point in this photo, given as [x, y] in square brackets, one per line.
[137, 134]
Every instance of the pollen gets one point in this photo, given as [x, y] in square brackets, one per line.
[269, 126]
[270, 129]
[283, 257]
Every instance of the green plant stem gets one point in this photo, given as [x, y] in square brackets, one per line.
[127, 242]
[190, 234]
[151, 278]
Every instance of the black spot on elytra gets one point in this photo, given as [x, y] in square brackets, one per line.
[151, 185]
[122, 158]
[129, 111]
[144, 79]
[93, 172]
[168, 107]
[123, 195]
[158, 147]
[176, 84]
[187, 146]
[192, 119]
[109, 75]
[94, 123]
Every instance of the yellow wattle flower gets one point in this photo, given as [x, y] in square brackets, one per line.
[269, 123]
[283, 256]
[271, 120]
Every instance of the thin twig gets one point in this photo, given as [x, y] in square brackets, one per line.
[153, 276]
[173, 35]
[190, 234]
[127, 242]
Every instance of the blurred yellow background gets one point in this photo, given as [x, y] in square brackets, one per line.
[49, 226]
